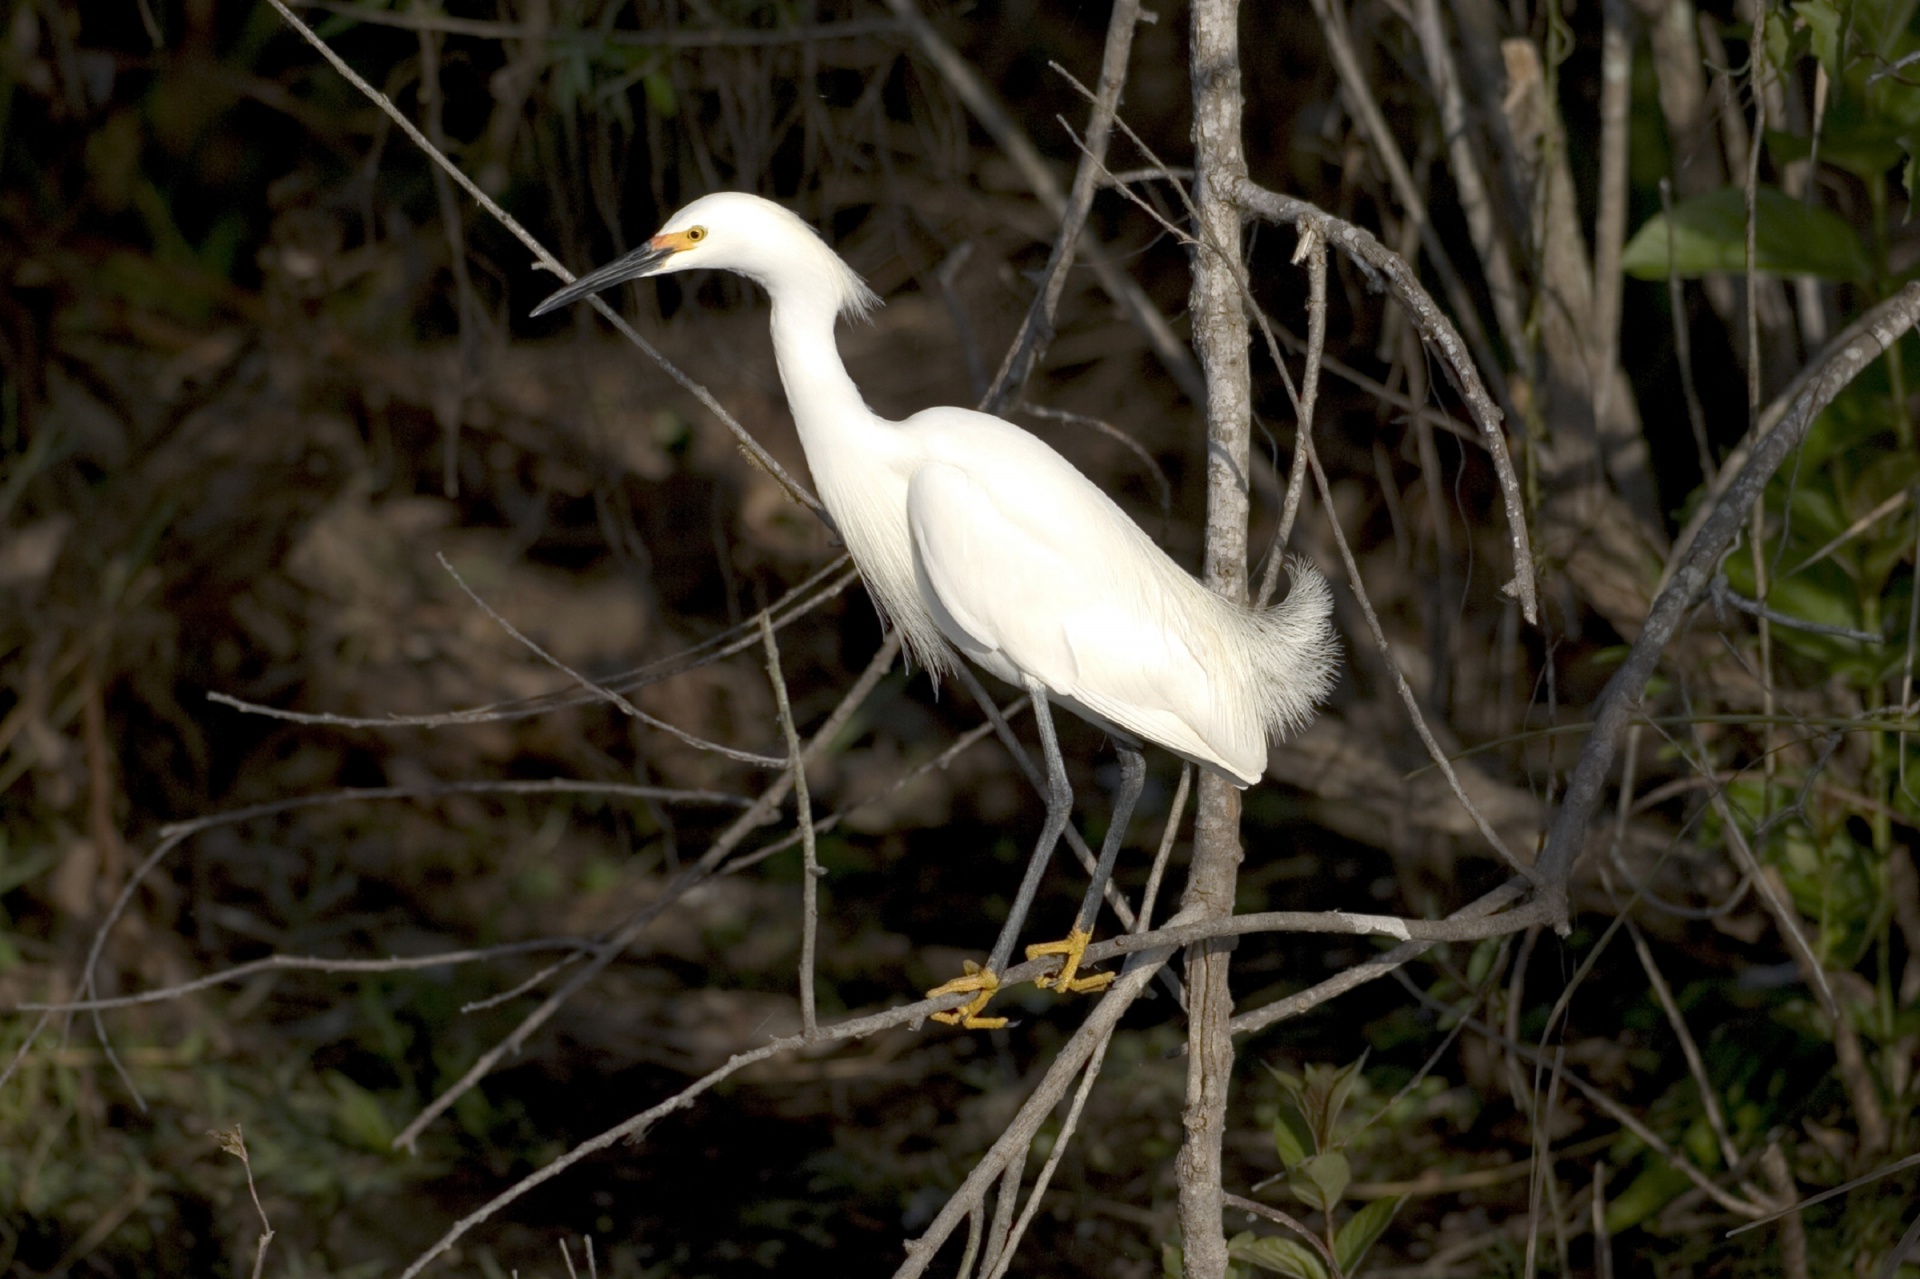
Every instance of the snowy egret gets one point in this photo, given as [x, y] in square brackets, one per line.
[976, 538]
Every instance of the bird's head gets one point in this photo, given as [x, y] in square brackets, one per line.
[731, 231]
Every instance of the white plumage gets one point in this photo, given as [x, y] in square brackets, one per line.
[976, 537]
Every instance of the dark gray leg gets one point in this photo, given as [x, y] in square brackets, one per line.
[1133, 775]
[982, 982]
[1059, 808]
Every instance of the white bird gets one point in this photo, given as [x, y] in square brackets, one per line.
[976, 538]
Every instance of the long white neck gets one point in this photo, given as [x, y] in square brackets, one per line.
[837, 429]
[860, 462]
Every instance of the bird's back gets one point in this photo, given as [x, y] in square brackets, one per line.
[1035, 573]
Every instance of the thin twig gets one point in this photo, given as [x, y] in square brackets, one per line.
[1015, 1139]
[1683, 345]
[1005, 1200]
[1013, 143]
[1438, 331]
[1314, 249]
[314, 964]
[1862, 343]
[1721, 593]
[596, 35]
[1800, 1205]
[1407, 698]
[1610, 213]
[810, 871]
[831, 580]
[1696, 1064]
[1287, 1220]
[976, 1227]
[1060, 1141]
[1359, 98]
[1036, 328]
[625, 707]
[1379, 966]
[1600, 1098]
[1162, 489]
[722, 847]
[1168, 834]
[635, 1127]
[761, 457]
[234, 1143]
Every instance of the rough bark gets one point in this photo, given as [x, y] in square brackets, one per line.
[1221, 336]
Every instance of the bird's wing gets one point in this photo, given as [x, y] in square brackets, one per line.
[1034, 578]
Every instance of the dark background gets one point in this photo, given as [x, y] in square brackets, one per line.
[261, 366]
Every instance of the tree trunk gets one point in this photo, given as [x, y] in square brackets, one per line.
[1221, 338]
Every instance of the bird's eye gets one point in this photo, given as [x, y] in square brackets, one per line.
[696, 235]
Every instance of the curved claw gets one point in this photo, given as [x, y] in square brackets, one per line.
[984, 982]
[1065, 981]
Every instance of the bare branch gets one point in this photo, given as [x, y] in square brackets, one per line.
[1862, 343]
[1373, 969]
[1381, 262]
[1067, 1126]
[315, 964]
[1407, 699]
[722, 847]
[1036, 329]
[651, 38]
[1254, 1208]
[234, 1142]
[1696, 1065]
[1018, 1135]
[1599, 1098]
[1220, 336]
[761, 457]
[831, 580]
[1014, 143]
[625, 707]
[810, 871]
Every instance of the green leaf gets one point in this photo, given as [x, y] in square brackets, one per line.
[1785, 44]
[1292, 1140]
[1658, 1185]
[1320, 1181]
[1866, 148]
[1481, 962]
[1824, 28]
[1325, 1097]
[1342, 1089]
[1281, 1256]
[1289, 1082]
[1173, 1264]
[1351, 1241]
[1707, 235]
[358, 1116]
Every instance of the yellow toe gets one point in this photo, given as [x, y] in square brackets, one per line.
[1071, 949]
[982, 982]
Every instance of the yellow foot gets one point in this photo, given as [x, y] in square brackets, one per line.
[967, 1016]
[1064, 981]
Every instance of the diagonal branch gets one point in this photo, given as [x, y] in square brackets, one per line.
[1861, 344]
[1036, 330]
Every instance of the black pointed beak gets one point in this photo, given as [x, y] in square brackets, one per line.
[641, 262]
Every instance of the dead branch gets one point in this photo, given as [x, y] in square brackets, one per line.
[1861, 344]
[1382, 263]
[1221, 337]
[1012, 139]
[1036, 329]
